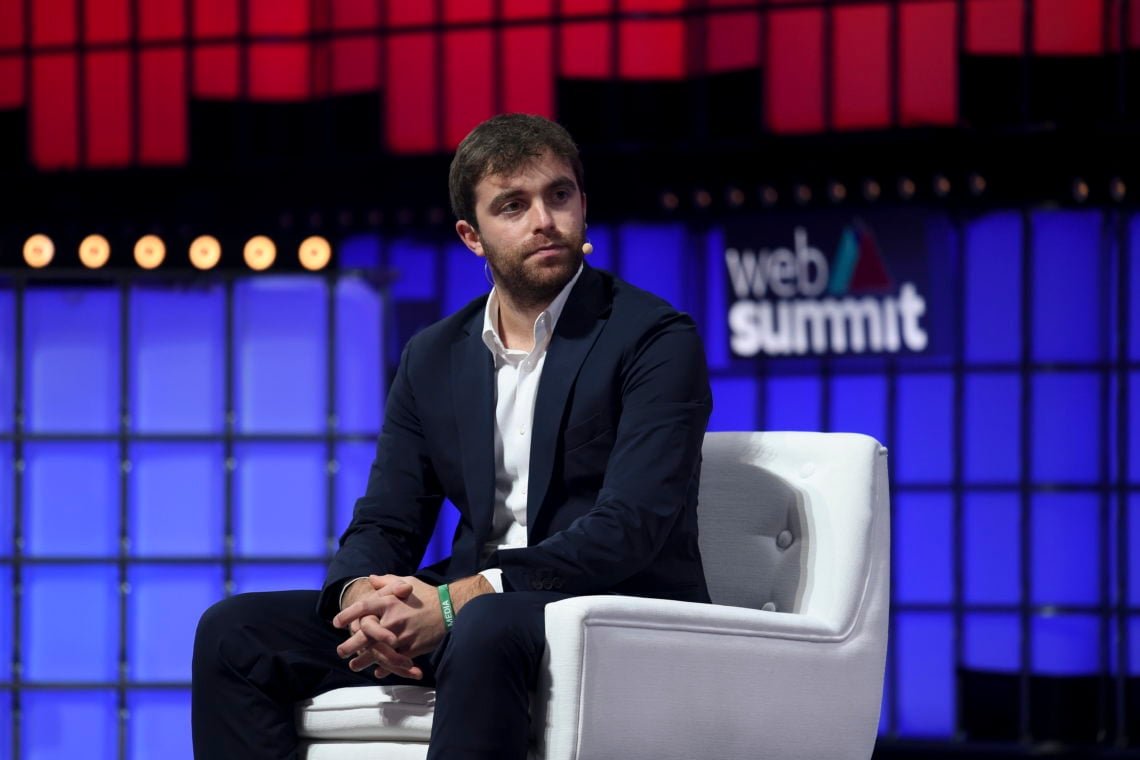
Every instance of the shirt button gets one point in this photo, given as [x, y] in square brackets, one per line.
[522, 431]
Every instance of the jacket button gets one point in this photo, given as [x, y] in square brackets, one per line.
[559, 583]
[536, 584]
[548, 584]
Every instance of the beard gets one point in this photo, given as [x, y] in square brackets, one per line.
[531, 282]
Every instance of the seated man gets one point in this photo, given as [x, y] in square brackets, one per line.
[563, 415]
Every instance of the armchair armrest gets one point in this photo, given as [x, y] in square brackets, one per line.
[625, 676]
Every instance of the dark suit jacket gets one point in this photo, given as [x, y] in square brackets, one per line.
[619, 419]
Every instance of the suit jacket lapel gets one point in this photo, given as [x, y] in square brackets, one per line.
[473, 397]
[574, 335]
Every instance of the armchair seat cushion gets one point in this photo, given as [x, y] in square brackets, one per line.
[375, 713]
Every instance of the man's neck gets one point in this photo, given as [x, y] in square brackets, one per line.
[516, 324]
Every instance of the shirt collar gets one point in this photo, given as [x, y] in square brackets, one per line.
[543, 324]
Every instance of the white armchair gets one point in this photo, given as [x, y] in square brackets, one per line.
[786, 663]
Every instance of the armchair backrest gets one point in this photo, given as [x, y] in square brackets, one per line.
[795, 522]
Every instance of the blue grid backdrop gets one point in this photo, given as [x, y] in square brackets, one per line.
[164, 443]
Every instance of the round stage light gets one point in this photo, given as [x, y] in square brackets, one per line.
[259, 253]
[205, 252]
[94, 251]
[38, 251]
[150, 251]
[315, 253]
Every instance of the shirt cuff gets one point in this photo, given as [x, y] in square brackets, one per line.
[494, 576]
[340, 599]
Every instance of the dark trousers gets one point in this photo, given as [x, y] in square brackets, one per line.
[256, 655]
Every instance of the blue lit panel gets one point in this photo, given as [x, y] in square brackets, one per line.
[358, 252]
[1067, 311]
[992, 428]
[71, 500]
[924, 450]
[734, 404]
[439, 545]
[1066, 548]
[1066, 427]
[793, 403]
[652, 259]
[1132, 303]
[71, 370]
[714, 325]
[992, 308]
[1066, 645]
[159, 726]
[991, 527]
[7, 498]
[1133, 551]
[7, 360]
[281, 354]
[859, 405]
[1134, 424]
[87, 596]
[1134, 645]
[885, 717]
[354, 460]
[5, 718]
[178, 359]
[924, 557]
[992, 642]
[6, 601]
[924, 644]
[282, 492]
[414, 265]
[359, 350]
[162, 612]
[279, 577]
[177, 499]
[465, 278]
[65, 725]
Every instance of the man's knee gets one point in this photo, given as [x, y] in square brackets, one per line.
[505, 623]
[226, 629]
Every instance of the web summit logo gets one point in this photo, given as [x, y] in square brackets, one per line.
[792, 302]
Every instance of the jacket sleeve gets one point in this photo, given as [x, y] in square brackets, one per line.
[393, 521]
[650, 475]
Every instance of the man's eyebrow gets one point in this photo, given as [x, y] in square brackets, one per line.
[558, 183]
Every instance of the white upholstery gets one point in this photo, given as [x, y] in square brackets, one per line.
[786, 663]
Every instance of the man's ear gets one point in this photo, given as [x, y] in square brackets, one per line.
[470, 237]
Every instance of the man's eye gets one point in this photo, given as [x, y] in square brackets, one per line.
[510, 208]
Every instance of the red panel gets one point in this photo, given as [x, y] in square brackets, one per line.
[216, 72]
[1068, 27]
[53, 22]
[411, 103]
[108, 105]
[528, 70]
[928, 69]
[514, 9]
[586, 7]
[585, 49]
[410, 14]
[733, 42]
[106, 20]
[11, 81]
[160, 20]
[162, 107]
[730, 3]
[279, 71]
[468, 83]
[651, 49]
[355, 14]
[278, 17]
[461, 11]
[994, 27]
[54, 138]
[860, 94]
[652, 5]
[794, 79]
[11, 25]
[215, 18]
[355, 65]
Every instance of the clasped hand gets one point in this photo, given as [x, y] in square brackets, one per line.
[395, 621]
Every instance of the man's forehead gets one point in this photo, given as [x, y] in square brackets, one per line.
[541, 170]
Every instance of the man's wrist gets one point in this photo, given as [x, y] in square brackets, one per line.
[344, 591]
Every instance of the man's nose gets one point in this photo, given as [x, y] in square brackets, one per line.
[541, 216]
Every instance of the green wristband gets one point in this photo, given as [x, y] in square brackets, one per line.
[445, 607]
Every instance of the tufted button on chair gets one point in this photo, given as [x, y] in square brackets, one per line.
[786, 663]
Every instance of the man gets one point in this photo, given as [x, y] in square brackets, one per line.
[562, 414]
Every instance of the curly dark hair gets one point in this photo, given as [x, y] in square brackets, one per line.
[504, 144]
